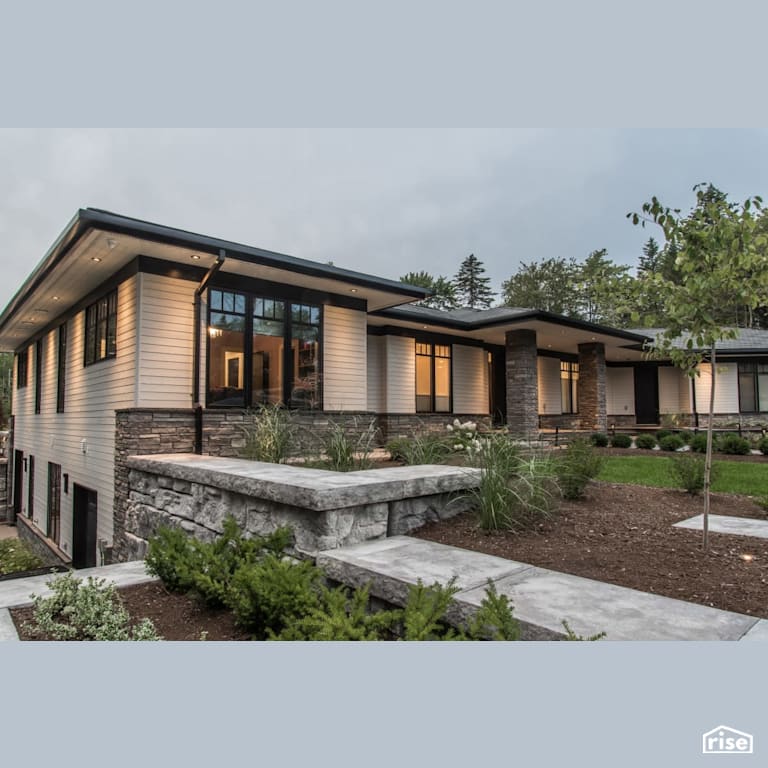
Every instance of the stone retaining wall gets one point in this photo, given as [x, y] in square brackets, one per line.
[325, 509]
[36, 541]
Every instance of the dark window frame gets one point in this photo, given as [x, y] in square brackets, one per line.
[751, 369]
[38, 375]
[572, 369]
[433, 355]
[53, 527]
[101, 326]
[289, 374]
[22, 369]
[61, 368]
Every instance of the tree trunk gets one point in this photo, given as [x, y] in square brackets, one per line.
[708, 459]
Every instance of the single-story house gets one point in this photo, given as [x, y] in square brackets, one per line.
[133, 337]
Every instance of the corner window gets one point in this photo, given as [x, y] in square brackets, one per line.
[569, 386]
[753, 387]
[433, 378]
[280, 363]
[101, 329]
[22, 366]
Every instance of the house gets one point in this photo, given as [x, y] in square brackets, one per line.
[133, 337]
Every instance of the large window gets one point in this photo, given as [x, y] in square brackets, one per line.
[31, 487]
[61, 369]
[433, 378]
[101, 329]
[54, 501]
[569, 386]
[280, 363]
[753, 387]
[38, 374]
[22, 366]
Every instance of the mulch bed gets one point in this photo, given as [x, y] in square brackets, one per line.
[176, 617]
[623, 534]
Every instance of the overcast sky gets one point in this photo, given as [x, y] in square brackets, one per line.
[378, 201]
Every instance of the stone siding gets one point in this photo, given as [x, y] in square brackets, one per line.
[37, 542]
[399, 425]
[592, 402]
[522, 382]
[325, 510]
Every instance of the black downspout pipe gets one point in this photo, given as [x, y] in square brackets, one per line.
[197, 405]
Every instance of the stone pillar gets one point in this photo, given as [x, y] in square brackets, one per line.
[591, 390]
[522, 383]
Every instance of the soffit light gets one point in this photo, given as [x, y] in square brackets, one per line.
[95, 259]
[194, 256]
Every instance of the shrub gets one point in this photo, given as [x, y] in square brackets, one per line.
[514, 492]
[15, 556]
[599, 439]
[345, 453]
[671, 443]
[699, 443]
[687, 436]
[173, 556]
[577, 465]
[621, 441]
[464, 437]
[662, 433]
[763, 446]
[646, 442]
[88, 610]
[268, 436]
[270, 595]
[397, 448]
[734, 445]
[688, 472]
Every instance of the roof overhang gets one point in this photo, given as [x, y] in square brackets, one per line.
[554, 333]
[97, 244]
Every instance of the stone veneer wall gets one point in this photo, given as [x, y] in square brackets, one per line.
[396, 425]
[264, 497]
[564, 421]
[522, 382]
[592, 402]
[37, 542]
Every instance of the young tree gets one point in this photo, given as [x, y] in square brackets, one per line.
[547, 285]
[443, 290]
[721, 258]
[472, 288]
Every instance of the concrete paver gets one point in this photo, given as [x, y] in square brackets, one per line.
[541, 598]
[7, 627]
[736, 526]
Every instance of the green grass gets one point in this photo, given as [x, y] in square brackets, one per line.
[732, 476]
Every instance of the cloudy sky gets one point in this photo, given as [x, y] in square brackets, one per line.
[379, 201]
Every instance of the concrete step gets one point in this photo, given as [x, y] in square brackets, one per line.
[736, 526]
[541, 598]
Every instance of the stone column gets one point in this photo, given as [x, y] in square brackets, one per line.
[522, 383]
[591, 389]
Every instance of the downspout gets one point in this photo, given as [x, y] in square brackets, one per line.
[197, 405]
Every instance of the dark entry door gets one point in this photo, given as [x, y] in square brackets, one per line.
[18, 482]
[84, 509]
[647, 395]
[498, 385]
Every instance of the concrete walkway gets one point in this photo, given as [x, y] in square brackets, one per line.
[736, 526]
[17, 592]
[8, 531]
[541, 598]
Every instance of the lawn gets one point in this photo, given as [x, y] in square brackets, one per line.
[730, 476]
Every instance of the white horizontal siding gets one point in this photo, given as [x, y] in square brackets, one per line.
[673, 390]
[400, 365]
[344, 359]
[375, 374]
[166, 342]
[470, 379]
[620, 391]
[550, 395]
[92, 395]
[726, 388]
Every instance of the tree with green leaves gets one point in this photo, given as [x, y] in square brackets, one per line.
[603, 289]
[473, 289]
[547, 285]
[721, 258]
[443, 290]
[6, 368]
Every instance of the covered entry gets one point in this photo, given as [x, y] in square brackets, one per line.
[84, 510]
[647, 394]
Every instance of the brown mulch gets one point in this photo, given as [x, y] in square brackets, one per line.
[623, 534]
[176, 617]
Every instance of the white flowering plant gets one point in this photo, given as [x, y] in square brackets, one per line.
[465, 437]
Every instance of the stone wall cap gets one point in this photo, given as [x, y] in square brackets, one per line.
[316, 489]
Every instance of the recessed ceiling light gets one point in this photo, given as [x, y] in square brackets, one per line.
[194, 257]
[55, 298]
[96, 259]
[353, 290]
[423, 326]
